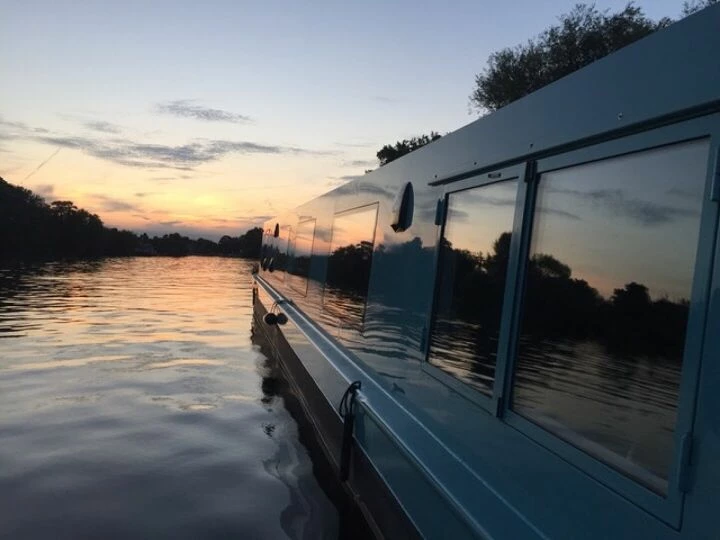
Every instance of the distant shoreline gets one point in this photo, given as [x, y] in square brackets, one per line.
[33, 230]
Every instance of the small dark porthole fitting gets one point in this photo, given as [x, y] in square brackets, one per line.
[402, 210]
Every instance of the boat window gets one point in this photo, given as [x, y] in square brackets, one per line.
[348, 269]
[606, 305]
[299, 267]
[472, 270]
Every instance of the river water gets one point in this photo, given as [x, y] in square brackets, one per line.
[134, 404]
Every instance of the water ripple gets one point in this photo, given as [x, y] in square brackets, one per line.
[134, 405]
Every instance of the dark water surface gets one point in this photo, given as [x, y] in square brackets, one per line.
[133, 404]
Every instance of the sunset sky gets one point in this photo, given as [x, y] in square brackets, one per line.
[204, 118]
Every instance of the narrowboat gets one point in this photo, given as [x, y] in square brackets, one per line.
[514, 331]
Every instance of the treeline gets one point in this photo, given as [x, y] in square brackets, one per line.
[471, 289]
[31, 229]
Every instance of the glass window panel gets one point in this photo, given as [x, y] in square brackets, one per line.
[348, 272]
[606, 306]
[472, 270]
[300, 267]
[279, 258]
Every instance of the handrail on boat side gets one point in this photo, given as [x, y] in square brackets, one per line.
[309, 330]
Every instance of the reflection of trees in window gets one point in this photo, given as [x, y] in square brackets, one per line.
[471, 284]
[560, 306]
[299, 263]
[349, 265]
[600, 358]
[621, 353]
[607, 368]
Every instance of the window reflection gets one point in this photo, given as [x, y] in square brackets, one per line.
[606, 305]
[300, 265]
[474, 255]
[349, 264]
[274, 253]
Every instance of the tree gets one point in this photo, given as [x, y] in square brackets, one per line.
[390, 153]
[582, 36]
[691, 6]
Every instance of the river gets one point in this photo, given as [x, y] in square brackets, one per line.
[134, 404]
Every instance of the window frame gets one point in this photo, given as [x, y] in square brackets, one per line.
[490, 403]
[331, 312]
[667, 508]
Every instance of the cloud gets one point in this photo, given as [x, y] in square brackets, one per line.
[110, 204]
[258, 220]
[102, 127]
[561, 213]
[643, 212]
[143, 194]
[186, 108]
[46, 191]
[16, 125]
[361, 163]
[130, 153]
[180, 157]
[170, 223]
[385, 99]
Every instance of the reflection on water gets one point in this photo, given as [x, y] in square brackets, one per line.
[626, 404]
[135, 406]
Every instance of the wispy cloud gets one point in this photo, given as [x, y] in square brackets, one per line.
[187, 108]
[102, 127]
[110, 204]
[46, 191]
[385, 99]
[181, 157]
[131, 153]
[616, 202]
[10, 124]
[361, 163]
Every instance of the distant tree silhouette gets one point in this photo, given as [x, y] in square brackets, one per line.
[390, 153]
[556, 306]
[349, 267]
[583, 35]
[692, 6]
[31, 229]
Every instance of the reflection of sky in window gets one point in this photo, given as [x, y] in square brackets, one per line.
[304, 238]
[477, 217]
[354, 227]
[283, 239]
[631, 218]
